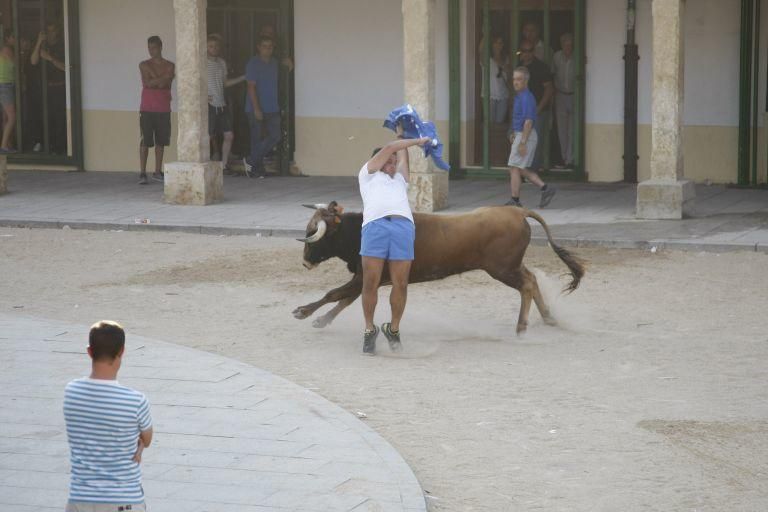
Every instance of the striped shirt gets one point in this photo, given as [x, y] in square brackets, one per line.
[217, 78]
[103, 423]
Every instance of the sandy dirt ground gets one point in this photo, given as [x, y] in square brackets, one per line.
[650, 395]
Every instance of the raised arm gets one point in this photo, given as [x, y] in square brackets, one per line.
[380, 158]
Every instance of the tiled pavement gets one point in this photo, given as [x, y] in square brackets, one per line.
[228, 436]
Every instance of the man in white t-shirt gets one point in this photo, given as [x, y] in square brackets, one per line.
[388, 235]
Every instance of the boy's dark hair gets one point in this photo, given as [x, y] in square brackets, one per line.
[155, 40]
[106, 339]
[375, 150]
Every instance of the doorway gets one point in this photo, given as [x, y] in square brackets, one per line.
[40, 81]
[482, 96]
[239, 23]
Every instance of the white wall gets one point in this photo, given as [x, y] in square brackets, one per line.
[113, 40]
[349, 58]
[711, 61]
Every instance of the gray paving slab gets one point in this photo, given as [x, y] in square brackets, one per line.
[228, 436]
[585, 214]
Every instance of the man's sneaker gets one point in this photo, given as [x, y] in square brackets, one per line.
[514, 202]
[547, 195]
[247, 167]
[143, 179]
[369, 341]
[392, 336]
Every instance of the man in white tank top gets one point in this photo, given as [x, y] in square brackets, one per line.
[388, 235]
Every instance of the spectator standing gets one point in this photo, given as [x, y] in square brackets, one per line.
[498, 73]
[565, 84]
[261, 106]
[219, 115]
[157, 74]
[50, 48]
[8, 91]
[108, 428]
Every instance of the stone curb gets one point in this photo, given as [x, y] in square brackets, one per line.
[660, 244]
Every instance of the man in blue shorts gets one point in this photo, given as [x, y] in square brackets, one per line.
[108, 427]
[388, 236]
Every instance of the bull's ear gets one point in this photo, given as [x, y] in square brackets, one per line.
[335, 208]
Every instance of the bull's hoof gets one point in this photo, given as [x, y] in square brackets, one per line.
[301, 313]
[321, 322]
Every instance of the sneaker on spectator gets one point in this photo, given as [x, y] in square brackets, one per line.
[547, 195]
[514, 202]
[247, 167]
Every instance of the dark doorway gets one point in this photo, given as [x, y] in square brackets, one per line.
[239, 23]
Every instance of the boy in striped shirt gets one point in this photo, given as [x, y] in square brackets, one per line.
[108, 427]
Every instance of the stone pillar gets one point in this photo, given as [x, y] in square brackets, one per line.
[666, 195]
[428, 189]
[3, 174]
[194, 179]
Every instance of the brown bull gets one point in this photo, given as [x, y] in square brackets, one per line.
[492, 238]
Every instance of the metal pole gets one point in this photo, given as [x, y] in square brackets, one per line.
[755, 87]
[745, 73]
[486, 68]
[631, 58]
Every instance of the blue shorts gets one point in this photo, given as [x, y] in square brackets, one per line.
[389, 238]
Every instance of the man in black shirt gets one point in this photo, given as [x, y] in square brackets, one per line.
[543, 90]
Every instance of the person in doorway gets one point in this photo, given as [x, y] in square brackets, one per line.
[524, 139]
[50, 48]
[388, 236]
[540, 85]
[563, 66]
[261, 106]
[108, 428]
[8, 91]
[157, 74]
[270, 32]
[532, 34]
[498, 72]
[219, 116]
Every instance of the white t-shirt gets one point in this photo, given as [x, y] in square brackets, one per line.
[382, 195]
[217, 77]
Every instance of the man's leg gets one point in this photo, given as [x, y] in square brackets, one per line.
[514, 182]
[147, 139]
[143, 154]
[271, 138]
[563, 132]
[255, 126]
[399, 271]
[372, 268]
[159, 151]
[226, 148]
[569, 130]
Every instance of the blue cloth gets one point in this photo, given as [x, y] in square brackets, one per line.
[264, 136]
[524, 108]
[415, 128]
[389, 238]
[103, 421]
[264, 74]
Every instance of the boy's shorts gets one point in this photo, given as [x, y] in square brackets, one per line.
[389, 238]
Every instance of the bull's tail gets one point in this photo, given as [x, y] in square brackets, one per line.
[573, 262]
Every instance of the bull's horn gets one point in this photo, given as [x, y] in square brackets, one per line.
[321, 227]
[316, 206]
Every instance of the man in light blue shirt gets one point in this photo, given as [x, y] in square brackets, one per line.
[108, 427]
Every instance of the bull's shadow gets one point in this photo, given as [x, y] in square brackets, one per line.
[493, 239]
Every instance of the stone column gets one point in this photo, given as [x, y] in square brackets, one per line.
[666, 195]
[428, 189]
[3, 174]
[194, 179]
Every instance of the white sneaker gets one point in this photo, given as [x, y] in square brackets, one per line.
[247, 167]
